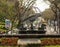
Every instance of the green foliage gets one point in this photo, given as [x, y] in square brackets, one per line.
[15, 11]
[2, 23]
[6, 10]
[2, 27]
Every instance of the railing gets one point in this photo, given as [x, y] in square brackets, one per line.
[30, 35]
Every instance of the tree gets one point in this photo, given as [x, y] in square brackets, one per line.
[51, 1]
[24, 9]
[16, 11]
[56, 9]
[5, 10]
[46, 14]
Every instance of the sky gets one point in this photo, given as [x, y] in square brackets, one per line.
[41, 5]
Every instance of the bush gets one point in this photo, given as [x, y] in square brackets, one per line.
[2, 23]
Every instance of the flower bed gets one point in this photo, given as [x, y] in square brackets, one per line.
[50, 41]
[8, 41]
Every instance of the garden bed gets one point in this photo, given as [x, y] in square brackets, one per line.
[50, 41]
[8, 41]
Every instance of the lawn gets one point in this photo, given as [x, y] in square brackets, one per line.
[8, 46]
[52, 46]
[34, 46]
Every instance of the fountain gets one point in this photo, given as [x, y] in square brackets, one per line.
[31, 19]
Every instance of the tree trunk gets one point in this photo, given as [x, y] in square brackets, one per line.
[59, 23]
[59, 26]
[20, 25]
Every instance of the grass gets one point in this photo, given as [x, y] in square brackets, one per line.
[8, 46]
[35, 46]
[52, 46]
